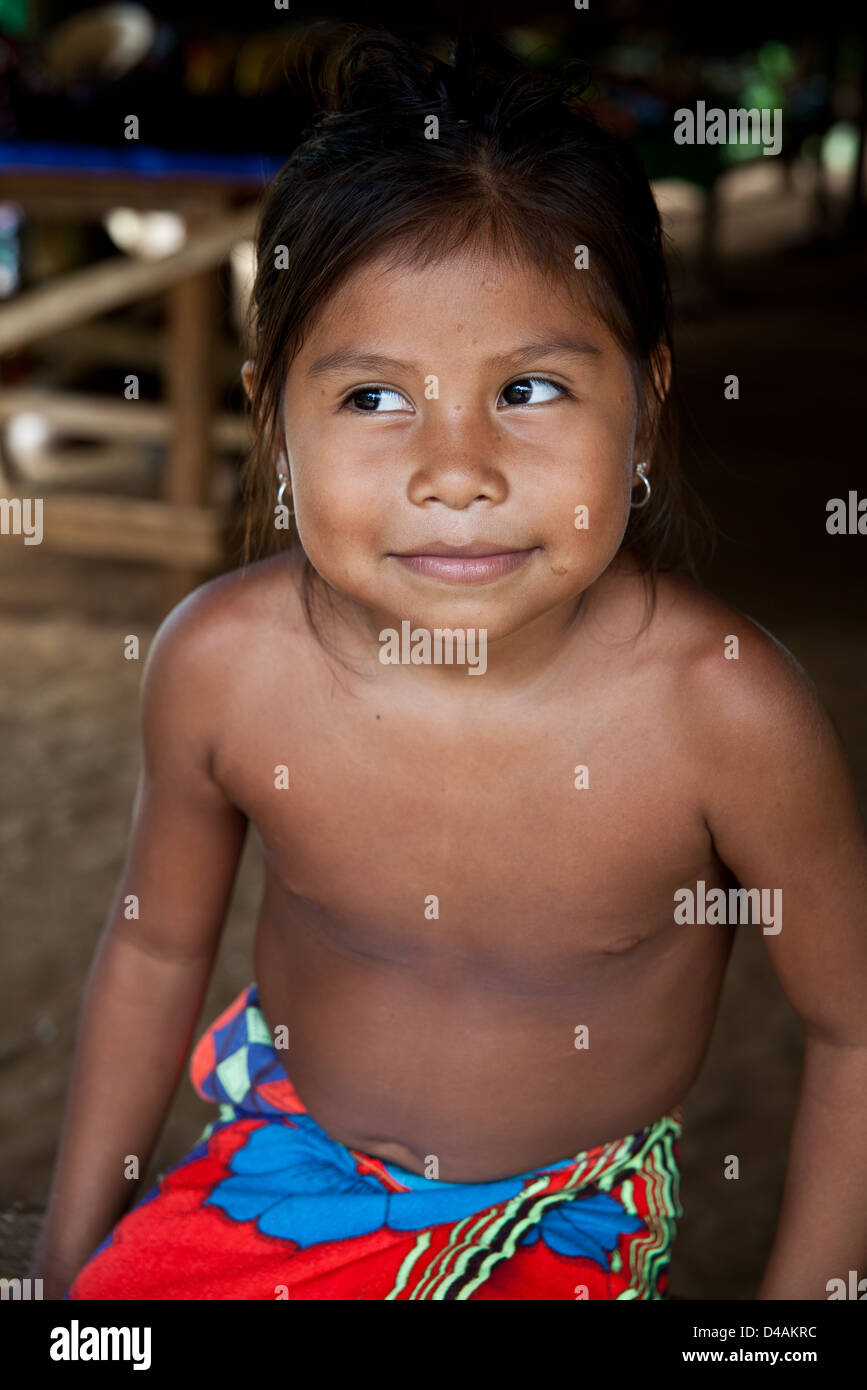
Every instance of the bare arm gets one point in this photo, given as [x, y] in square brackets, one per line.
[784, 815]
[150, 973]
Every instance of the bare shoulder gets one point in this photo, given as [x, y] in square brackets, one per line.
[218, 634]
[731, 669]
[230, 611]
[744, 704]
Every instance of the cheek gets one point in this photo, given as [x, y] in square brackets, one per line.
[585, 502]
[336, 508]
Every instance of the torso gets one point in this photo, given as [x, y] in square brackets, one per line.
[453, 1035]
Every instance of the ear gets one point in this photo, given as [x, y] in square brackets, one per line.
[247, 377]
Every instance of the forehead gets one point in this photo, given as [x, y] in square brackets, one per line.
[471, 290]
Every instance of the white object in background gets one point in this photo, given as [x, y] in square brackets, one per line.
[150, 235]
[110, 41]
[242, 263]
[27, 434]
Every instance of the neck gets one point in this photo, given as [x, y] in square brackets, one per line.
[417, 660]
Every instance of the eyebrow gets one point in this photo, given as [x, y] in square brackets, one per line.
[343, 359]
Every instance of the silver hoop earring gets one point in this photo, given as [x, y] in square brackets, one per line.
[284, 483]
[641, 470]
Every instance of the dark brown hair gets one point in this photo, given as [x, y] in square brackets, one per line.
[519, 168]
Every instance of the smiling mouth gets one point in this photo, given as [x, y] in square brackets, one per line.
[476, 563]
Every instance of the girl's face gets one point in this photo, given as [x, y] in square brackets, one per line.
[461, 405]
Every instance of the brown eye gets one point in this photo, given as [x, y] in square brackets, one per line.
[367, 398]
[522, 390]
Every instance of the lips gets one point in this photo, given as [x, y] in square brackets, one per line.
[477, 562]
[471, 549]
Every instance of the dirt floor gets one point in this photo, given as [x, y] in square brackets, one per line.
[791, 327]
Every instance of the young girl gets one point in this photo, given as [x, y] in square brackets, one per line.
[500, 894]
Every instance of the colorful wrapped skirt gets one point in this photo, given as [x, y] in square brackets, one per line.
[268, 1206]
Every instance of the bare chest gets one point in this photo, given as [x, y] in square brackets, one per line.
[489, 840]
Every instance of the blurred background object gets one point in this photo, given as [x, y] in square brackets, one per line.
[104, 43]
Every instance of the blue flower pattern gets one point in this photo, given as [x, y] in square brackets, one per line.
[299, 1184]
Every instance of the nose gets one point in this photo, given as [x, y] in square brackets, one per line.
[458, 461]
